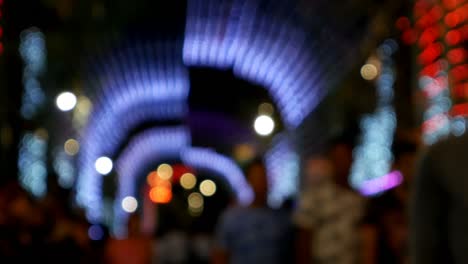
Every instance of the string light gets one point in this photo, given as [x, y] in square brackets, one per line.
[32, 164]
[282, 164]
[32, 49]
[373, 157]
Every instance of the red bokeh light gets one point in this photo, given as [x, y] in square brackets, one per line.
[409, 37]
[1, 32]
[2, 49]
[459, 73]
[161, 195]
[430, 18]
[457, 17]
[428, 36]
[453, 19]
[451, 4]
[433, 69]
[461, 90]
[453, 37]
[431, 53]
[403, 23]
[457, 56]
[421, 7]
[460, 110]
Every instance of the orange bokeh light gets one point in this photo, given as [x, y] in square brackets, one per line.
[154, 180]
[160, 194]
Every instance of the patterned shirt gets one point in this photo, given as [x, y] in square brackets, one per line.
[333, 214]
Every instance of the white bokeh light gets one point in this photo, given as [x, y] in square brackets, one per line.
[103, 165]
[66, 101]
[264, 125]
[129, 204]
[207, 188]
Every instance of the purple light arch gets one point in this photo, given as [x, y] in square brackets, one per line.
[170, 143]
[144, 149]
[262, 41]
[210, 160]
[134, 85]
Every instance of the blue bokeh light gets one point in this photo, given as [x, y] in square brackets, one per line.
[32, 164]
[282, 163]
[373, 158]
[32, 49]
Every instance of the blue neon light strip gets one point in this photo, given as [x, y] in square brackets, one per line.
[282, 164]
[146, 82]
[262, 43]
[144, 150]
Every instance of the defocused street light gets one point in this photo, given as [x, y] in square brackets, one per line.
[264, 125]
[66, 101]
[103, 165]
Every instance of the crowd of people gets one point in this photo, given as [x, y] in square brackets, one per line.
[44, 230]
[328, 222]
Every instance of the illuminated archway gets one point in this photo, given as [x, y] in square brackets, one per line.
[264, 44]
[133, 85]
[170, 143]
[261, 43]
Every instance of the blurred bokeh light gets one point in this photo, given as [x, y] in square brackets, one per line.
[66, 101]
[208, 188]
[264, 125]
[103, 165]
[188, 181]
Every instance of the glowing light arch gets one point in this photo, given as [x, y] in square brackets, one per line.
[262, 43]
[169, 143]
[144, 149]
[135, 85]
[208, 159]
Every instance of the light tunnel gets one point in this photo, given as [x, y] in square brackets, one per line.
[261, 41]
[132, 86]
